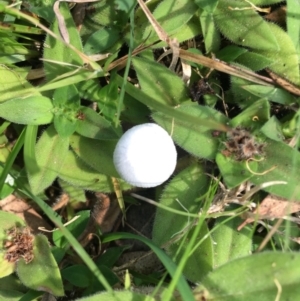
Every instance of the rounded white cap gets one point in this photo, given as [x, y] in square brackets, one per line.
[145, 156]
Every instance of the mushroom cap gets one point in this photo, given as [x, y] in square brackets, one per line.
[145, 156]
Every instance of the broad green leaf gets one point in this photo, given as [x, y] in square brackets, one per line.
[57, 52]
[101, 40]
[211, 35]
[229, 243]
[93, 125]
[271, 93]
[79, 174]
[265, 2]
[254, 61]
[102, 15]
[234, 172]
[285, 59]
[191, 136]
[168, 89]
[239, 95]
[207, 5]
[126, 6]
[230, 53]
[76, 194]
[253, 116]
[181, 194]
[263, 276]
[119, 295]
[200, 262]
[171, 16]
[281, 163]
[96, 153]
[78, 275]
[95, 286]
[7, 221]
[34, 110]
[76, 228]
[134, 111]
[12, 282]
[109, 100]
[42, 273]
[111, 256]
[272, 129]
[150, 101]
[244, 26]
[66, 103]
[10, 295]
[6, 268]
[13, 83]
[50, 152]
[292, 20]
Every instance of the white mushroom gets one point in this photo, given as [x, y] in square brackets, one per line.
[145, 156]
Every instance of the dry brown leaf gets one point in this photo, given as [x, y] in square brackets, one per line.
[22, 209]
[272, 207]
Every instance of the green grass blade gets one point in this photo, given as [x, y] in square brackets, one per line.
[11, 158]
[178, 281]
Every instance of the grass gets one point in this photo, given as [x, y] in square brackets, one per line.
[222, 78]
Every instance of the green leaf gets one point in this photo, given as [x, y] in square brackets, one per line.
[57, 51]
[230, 53]
[110, 257]
[229, 243]
[34, 110]
[150, 101]
[241, 96]
[234, 172]
[10, 295]
[193, 136]
[211, 35]
[42, 273]
[265, 2]
[76, 228]
[271, 93]
[285, 59]
[13, 83]
[207, 5]
[170, 15]
[50, 152]
[272, 129]
[75, 193]
[6, 268]
[66, 103]
[180, 194]
[202, 256]
[244, 26]
[79, 174]
[12, 283]
[93, 125]
[96, 153]
[293, 27]
[281, 163]
[8, 220]
[118, 295]
[101, 40]
[168, 89]
[182, 285]
[78, 275]
[253, 116]
[266, 276]
[254, 61]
